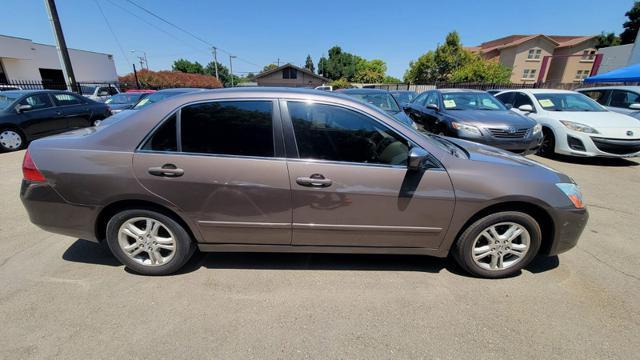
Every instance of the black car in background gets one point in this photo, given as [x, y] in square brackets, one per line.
[403, 96]
[124, 101]
[383, 100]
[476, 116]
[26, 115]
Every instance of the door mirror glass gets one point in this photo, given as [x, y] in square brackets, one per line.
[508, 106]
[433, 107]
[526, 108]
[23, 108]
[634, 106]
[417, 157]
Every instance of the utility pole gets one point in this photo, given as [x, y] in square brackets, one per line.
[278, 62]
[135, 74]
[61, 46]
[215, 60]
[231, 57]
[142, 59]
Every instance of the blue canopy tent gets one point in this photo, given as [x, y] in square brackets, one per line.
[625, 74]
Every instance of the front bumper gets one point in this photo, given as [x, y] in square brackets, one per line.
[525, 145]
[580, 144]
[49, 211]
[568, 226]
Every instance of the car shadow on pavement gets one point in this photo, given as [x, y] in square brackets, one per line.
[84, 251]
[597, 161]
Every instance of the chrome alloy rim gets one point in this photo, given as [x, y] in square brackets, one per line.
[147, 241]
[10, 139]
[501, 246]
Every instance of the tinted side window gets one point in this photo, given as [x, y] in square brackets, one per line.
[66, 99]
[165, 138]
[522, 99]
[623, 99]
[37, 102]
[597, 95]
[228, 128]
[420, 99]
[432, 98]
[329, 132]
[506, 98]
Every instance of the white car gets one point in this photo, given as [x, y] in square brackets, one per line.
[99, 93]
[574, 124]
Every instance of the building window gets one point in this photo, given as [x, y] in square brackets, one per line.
[289, 73]
[529, 74]
[581, 75]
[588, 55]
[534, 54]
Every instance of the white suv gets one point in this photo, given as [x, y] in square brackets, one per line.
[574, 124]
[99, 93]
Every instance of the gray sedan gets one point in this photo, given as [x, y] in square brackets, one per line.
[283, 170]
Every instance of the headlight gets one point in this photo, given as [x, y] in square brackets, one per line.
[573, 193]
[464, 127]
[537, 129]
[579, 127]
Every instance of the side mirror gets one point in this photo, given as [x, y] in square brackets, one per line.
[509, 106]
[433, 107]
[635, 106]
[23, 108]
[103, 93]
[417, 157]
[526, 108]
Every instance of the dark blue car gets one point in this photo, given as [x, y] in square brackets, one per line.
[383, 100]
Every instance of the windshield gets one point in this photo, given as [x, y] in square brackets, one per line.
[123, 98]
[567, 102]
[471, 101]
[7, 100]
[404, 97]
[384, 101]
[154, 98]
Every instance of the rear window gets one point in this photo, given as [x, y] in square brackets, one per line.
[165, 138]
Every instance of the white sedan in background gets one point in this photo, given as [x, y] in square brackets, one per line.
[574, 124]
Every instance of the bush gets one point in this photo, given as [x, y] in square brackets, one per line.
[340, 84]
[168, 79]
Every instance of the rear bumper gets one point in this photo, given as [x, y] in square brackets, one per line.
[569, 224]
[49, 211]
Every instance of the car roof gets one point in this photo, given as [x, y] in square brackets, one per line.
[402, 91]
[26, 92]
[542, 91]
[181, 90]
[363, 91]
[623, 87]
[459, 91]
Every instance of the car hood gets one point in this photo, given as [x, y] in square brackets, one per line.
[119, 106]
[491, 118]
[596, 119]
[401, 117]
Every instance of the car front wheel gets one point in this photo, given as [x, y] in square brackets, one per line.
[498, 245]
[11, 140]
[148, 242]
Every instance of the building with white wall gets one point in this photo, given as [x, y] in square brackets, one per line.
[22, 59]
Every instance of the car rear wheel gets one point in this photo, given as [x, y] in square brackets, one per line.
[498, 245]
[11, 140]
[548, 146]
[148, 242]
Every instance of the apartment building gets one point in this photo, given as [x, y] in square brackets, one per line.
[543, 58]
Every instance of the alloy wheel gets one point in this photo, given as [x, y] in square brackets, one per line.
[147, 241]
[501, 246]
[10, 140]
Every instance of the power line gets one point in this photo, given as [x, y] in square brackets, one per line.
[186, 31]
[124, 54]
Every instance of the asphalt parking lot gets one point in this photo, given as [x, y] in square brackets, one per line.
[62, 297]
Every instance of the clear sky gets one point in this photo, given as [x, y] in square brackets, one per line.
[260, 32]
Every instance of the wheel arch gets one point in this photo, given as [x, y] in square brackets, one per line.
[542, 216]
[115, 207]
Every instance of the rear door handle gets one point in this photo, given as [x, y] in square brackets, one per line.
[167, 170]
[315, 180]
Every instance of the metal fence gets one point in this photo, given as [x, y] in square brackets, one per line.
[477, 86]
[83, 88]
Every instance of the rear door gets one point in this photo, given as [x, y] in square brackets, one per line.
[621, 100]
[43, 118]
[225, 170]
[350, 183]
[74, 108]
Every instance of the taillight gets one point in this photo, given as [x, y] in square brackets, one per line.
[30, 170]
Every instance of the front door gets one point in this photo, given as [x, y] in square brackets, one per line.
[223, 172]
[351, 186]
[42, 118]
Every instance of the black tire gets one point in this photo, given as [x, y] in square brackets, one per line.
[548, 146]
[463, 248]
[23, 140]
[184, 245]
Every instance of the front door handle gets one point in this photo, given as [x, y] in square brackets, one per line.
[167, 170]
[315, 180]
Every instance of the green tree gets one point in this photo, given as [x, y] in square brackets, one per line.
[607, 39]
[322, 65]
[388, 79]
[223, 73]
[631, 26]
[308, 64]
[370, 71]
[187, 66]
[451, 62]
[341, 64]
[340, 84]
[269, 67]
